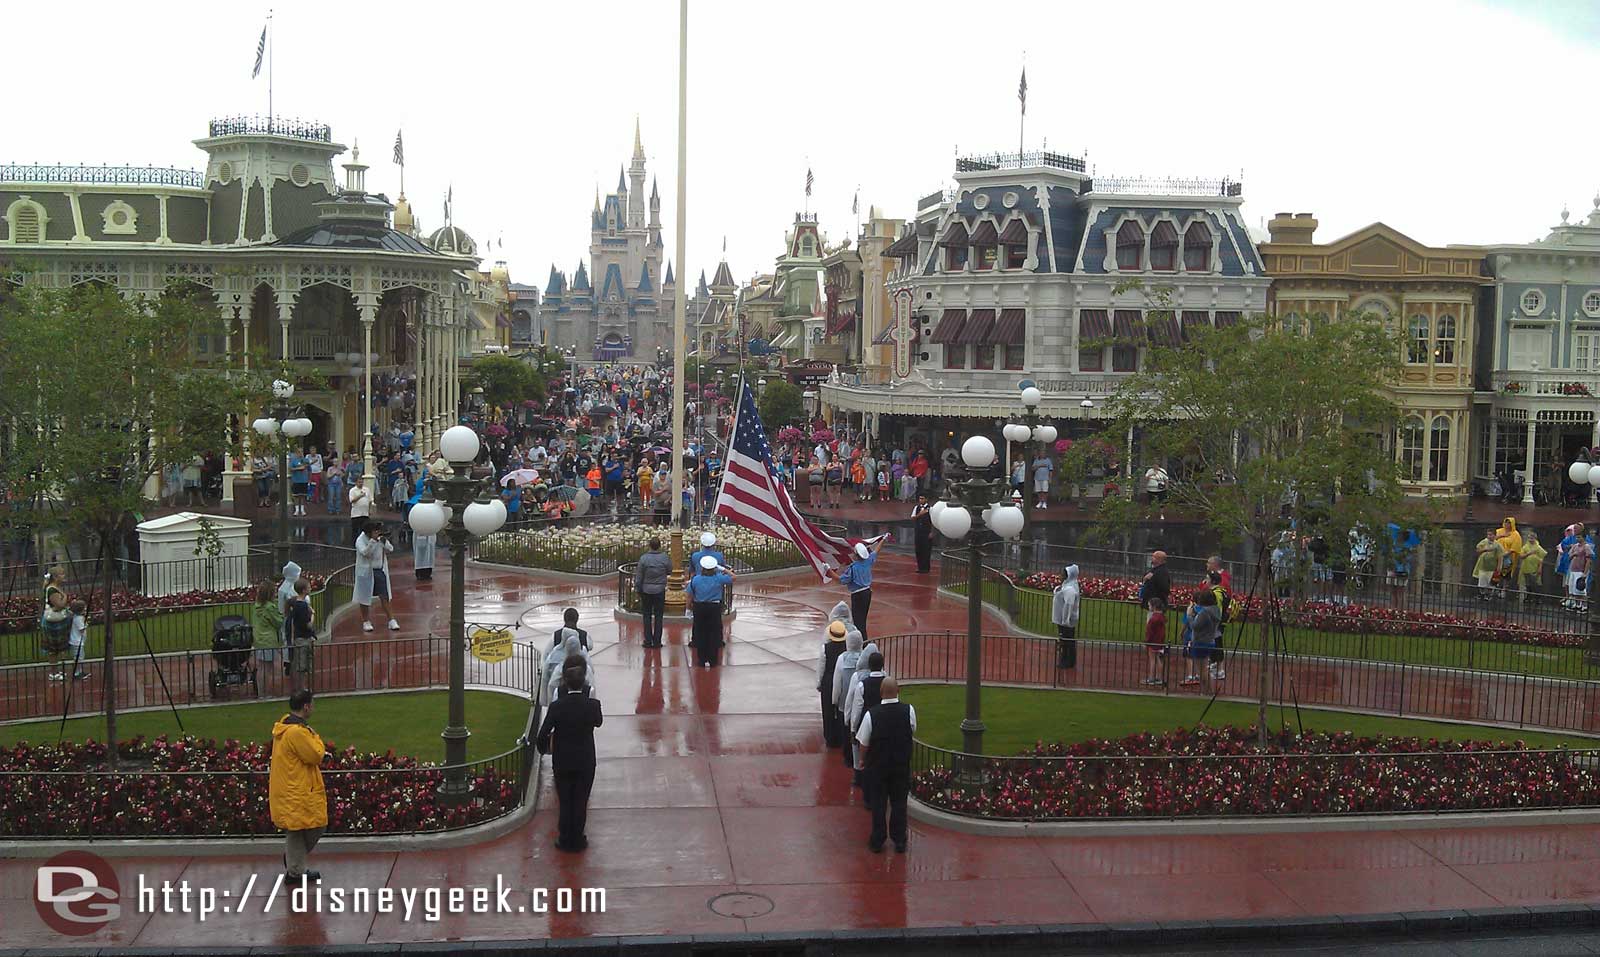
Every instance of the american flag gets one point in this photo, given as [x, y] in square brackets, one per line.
[261, 50]
[399, 150]
[1022, 90]
[809, 180]
[752, 496]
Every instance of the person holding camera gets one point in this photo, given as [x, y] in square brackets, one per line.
[372, 573]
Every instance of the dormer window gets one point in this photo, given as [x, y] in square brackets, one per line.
[955, 248]
[806, 248]
[1164, 248]
[1130, 247]
[1197, 248]
[986, 247]
[1014, 240]
[28, 221]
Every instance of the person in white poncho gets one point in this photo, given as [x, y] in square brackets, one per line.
[372, 573]
[570, 649]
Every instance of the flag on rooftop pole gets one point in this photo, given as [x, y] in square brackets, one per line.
[1022, 90]
[399, 150]
[855, 204]
[261, 52]
[809, 180]
[752, 496]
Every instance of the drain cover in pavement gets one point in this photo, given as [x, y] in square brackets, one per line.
[741, 905]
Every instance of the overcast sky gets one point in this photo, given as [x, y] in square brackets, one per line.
[1454, 122]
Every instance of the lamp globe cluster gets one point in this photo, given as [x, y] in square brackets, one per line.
[1582, 472]
[427, 517]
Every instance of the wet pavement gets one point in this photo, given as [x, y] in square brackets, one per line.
[717, 809]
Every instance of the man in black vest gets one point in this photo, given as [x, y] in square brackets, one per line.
[569, 619]
[572, 718]
[885, 738]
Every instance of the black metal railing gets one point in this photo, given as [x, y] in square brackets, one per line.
[271, 126]
[84, 576]
[987, 161]
[1380, 687]
[1045, 787]
[1167, 185]
[80, 173]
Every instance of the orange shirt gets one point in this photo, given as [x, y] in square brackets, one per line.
[594, 477]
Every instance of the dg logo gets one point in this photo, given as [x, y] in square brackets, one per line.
[77, 893]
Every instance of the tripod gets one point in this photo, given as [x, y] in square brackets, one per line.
[1279, 649]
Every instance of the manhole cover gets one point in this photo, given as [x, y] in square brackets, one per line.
[741, 905]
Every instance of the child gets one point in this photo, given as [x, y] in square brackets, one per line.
[1487, 568]
[858, 478]
[75, 638]
[1155, 641]
[883, 483]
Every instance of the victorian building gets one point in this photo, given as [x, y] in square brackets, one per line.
[1015, 272]
[857, 299]
[1539, 368]
[309, 273]
[1428, 294]
[618, 304]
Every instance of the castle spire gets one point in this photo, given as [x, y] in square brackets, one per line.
[638, 145]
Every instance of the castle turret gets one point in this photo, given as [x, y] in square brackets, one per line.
[636, 179]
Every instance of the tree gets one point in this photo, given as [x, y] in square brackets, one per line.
[103, 396]
[1265, 429]
[781, 405]
[506, 381]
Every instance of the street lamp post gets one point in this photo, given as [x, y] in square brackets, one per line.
[460, 506]
[279, 423]
[979, 497]
[1029, 432]
[1582, 472]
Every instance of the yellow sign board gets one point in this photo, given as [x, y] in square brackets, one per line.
[491, 644]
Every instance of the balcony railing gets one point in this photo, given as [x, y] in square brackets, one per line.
[117, 175]
[987, 161]
[272, 126]
[1166, 186]
[315, 346]
[1565, 383]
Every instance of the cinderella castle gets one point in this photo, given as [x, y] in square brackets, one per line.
[618, 305]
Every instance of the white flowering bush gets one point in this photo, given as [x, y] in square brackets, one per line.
[596, 548]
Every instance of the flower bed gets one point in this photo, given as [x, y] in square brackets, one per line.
[1220, 772]
[598, 549]
[165, 797]
[21, 612]
[1335, 617]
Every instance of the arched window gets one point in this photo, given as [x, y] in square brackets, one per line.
[1439, 450]
[1444, 340]
[1164, 247]
[1293, 324]
[28, 221]
[1417, 341]
[1197, 248]
[955, 247]
[1413, 436]
[1130, 247]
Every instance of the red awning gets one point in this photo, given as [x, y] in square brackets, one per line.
[1193, 320]
[1125, 324]
[1093, 324]
[904, 246]
[956, 235]
[949, 326]
[977, 328]
[1015, 233]
[1010, 329]
[985, 235]
[1226, 319]
[1163, 331]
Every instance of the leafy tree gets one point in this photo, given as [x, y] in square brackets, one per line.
[103, 397]
[781, 404]
[1266, 430]
[506, 380]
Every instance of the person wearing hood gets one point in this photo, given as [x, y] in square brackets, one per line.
[291, 574]
[562, 657]
[422, 547]
[1487, 566]
[858, 579]
[372, 573]
[864, 694]
[708, 546]
[829, 669]
[1530, 566]
[295, 793]
[1064, 613]
[1511, 542]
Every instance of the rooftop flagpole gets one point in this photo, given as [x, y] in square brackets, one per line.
[272, 43]
[676, 598]
[1022, 98]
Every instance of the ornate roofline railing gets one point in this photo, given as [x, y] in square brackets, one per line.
[1167, 185]
[985, 161]
[121, 175]
[272, 126]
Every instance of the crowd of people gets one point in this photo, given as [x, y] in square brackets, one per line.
[1511, 560]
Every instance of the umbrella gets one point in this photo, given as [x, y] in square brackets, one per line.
[520, 476]
[605, 411]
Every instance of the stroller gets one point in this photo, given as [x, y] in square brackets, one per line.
[232, 638]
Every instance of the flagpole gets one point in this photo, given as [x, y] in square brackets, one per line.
[676, 599]
[272, 42]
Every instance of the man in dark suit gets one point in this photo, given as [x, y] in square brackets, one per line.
[571, 720]
[885, 739]
[569, 619]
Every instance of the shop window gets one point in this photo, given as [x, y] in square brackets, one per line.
[955, 258]
[1124, 358]
[1016, 257]
[1130, 247]
[1417, 340]
[1164, 248]
[1444, 340]
[1439, 450]
[1197, 248]
[987, 257]
[983, 357]
[1091, 360]
[955, 357]
[1015, 356]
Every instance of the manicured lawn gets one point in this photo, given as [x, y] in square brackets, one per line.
[1017, 717]
[168, 631]
[406, 722]
[1106, 620]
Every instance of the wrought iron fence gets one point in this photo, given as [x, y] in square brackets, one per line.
[1422, 621]
[131, 175]
[271, 126]
[157, 579]
[1380, 687]
[987, 161]
[1167, 185]
[1168, 786]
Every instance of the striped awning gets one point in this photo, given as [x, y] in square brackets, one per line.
[1226, 319]
[1093, 324]
[1193, 320]
[1014, 233]
[956, 235]
[904, 246]
[949, 326]
[1163, 331]
[978, 327]
[985, 235]
[1125, 324]
[1010, 329]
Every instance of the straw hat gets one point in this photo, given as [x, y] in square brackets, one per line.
[836, 631]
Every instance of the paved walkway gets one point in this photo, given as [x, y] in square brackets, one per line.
[716, 782]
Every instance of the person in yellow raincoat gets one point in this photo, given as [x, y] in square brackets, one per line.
[1490, 552]
[294, 787]
[1531, 565]
[1511, 541]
